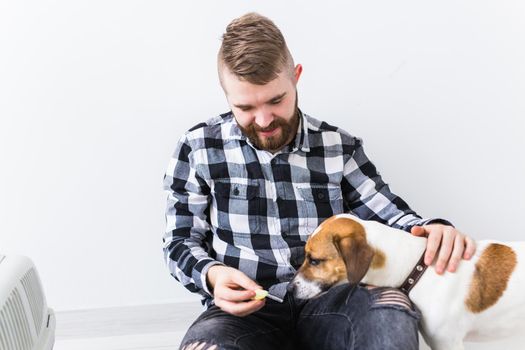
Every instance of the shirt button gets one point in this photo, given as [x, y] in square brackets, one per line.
[236, 191]
[320, 195]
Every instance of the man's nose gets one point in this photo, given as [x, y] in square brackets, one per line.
[263, 117]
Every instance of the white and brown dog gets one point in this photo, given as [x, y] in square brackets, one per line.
[483, 300]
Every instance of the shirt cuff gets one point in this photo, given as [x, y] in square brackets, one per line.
[428, 222]
[436, 221]
[204, 273]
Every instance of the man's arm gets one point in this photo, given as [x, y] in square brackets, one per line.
[186, 241]
[370, 198]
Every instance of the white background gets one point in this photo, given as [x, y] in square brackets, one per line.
[94, 95]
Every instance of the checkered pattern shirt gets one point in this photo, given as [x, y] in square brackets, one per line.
[233, 204]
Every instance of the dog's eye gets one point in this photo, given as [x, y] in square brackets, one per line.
[314, 262]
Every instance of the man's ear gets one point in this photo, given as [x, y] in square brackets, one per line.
[357, 256]
[297, 72]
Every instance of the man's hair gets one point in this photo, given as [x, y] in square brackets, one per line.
[254, 50]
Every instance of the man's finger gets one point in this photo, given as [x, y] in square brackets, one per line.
[447, 243]
[457, 253]
[433, 242]
[470, 248]
[418, 231]
[226, 293]
[244, 281]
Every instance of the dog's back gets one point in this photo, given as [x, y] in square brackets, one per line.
[483, 300]
[507, 314]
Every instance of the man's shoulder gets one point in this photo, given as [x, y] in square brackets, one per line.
[212, 124]
[328, 132]
[215, 128]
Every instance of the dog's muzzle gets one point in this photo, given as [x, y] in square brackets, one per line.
[302, 288]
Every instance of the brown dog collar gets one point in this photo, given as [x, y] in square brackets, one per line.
[414, 276]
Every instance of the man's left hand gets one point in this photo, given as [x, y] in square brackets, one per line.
[447, 243]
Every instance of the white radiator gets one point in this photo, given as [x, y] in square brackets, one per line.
[26, 323]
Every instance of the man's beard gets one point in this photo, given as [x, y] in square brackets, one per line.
[275, 142]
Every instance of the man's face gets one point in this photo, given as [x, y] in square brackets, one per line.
[266, 114]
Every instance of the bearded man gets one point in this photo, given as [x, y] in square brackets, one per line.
[245, 190]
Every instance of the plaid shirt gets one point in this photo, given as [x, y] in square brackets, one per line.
[233, 204]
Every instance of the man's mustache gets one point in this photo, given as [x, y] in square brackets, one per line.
[274, 124]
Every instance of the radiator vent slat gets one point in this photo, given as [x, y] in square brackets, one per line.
[5, 336]
[26, 339]
[15, 333]
[35, 295]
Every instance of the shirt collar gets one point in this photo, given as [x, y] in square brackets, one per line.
[302, 139]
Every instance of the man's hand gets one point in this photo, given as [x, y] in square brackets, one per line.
[454, 246]
[233, 290]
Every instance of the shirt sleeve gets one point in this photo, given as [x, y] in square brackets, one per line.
[370, 198]
[187, 238]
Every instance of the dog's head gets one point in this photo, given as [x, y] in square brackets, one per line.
[336, 252]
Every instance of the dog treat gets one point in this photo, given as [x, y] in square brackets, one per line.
[260, 294]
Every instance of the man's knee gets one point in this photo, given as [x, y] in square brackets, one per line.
[199, 345]
[217, 330]
[391, 297]
[392, 320]
[211, 331]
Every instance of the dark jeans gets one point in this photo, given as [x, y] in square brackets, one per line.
[342, 318]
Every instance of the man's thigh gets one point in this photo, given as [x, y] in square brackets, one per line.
[215, 329]
[382, 318]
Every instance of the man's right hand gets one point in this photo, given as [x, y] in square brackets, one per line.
[233, 290]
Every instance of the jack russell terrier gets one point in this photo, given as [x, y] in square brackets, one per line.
[483, 300]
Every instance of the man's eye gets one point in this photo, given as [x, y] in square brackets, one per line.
[276, 102]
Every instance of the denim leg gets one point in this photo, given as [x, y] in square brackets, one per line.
[356, 318]
[268, 328]
[393, 325]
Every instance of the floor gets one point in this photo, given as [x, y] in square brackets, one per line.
[148, 327]
[158, 327]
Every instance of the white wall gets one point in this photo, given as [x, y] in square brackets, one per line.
[94, 94]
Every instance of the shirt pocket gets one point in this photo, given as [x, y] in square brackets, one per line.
[319, 202]
[236, 207]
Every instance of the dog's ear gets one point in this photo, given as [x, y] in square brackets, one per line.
[357, 256]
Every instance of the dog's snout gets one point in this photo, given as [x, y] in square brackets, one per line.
[302, 288]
